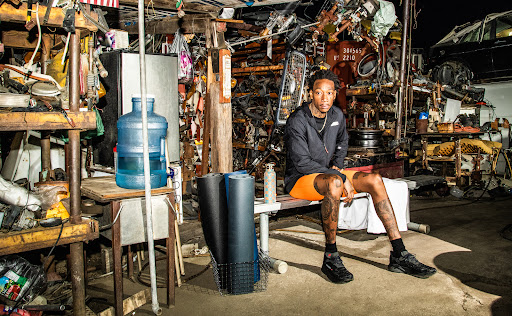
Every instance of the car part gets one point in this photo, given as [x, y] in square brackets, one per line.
[292, 84]
[366, 138]
[453, 73]
[368, 65]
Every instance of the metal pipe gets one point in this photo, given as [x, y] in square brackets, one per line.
[74, 135]
[46, 165]
[403, 65]
[264, 232]
[46, 308]
[45, 51]
[422, 228]
[76, 262]
[147, 180]
[270, 35]
[278, 265]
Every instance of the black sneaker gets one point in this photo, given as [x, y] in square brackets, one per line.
[334, 269]
[408, 264]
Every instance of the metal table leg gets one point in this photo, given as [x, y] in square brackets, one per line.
[117, 252]
[278, 265]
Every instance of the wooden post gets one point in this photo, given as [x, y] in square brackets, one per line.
[219, 114]
[222, 144]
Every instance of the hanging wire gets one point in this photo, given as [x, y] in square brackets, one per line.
[415, 14]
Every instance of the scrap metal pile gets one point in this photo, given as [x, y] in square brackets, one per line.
[360, 40]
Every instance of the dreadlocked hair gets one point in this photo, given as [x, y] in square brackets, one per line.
[324, 74]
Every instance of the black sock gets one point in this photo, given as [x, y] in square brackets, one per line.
[331, 248]
[398, 246]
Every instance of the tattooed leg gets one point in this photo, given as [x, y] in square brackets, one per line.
[373, 184]
[331, 187]
[387, 216]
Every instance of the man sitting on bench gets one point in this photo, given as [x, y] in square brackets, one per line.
[317, 142]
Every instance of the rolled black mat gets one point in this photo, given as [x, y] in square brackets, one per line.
[214, 218]
[256, 255]
[241, 233]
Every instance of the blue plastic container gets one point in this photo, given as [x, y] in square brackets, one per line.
[130, 165]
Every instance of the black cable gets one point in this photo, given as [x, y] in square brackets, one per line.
[163, 258]
[54, 245]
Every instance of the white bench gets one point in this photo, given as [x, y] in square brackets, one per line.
[283, 202]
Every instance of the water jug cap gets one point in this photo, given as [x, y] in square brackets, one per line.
[139, 96]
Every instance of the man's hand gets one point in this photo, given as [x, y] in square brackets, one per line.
[336, 168]
[348, 189]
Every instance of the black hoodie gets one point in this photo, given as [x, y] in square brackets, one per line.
[306, 151]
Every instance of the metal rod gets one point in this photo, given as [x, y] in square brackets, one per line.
[403, 65]
[278, 265]
[46, 165]
[76, 250]
[117, 254]
[170, 244]
[270, 35]
[178, 246]
[264, 232]
[147, 180]
[45, 52]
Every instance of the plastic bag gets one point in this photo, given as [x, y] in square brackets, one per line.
[20, 280]
[383, 19]
[185, 65]
[11, 193]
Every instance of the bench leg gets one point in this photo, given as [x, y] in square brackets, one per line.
[264, 232]
[278, 265]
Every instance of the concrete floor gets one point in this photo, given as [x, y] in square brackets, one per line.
[474, 269]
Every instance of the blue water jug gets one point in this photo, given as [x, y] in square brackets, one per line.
[130, 165]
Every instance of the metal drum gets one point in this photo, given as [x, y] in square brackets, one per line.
[366, 138]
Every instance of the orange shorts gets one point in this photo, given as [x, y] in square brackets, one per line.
[304, 188]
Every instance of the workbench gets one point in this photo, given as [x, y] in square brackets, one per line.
[105, 190]
[45, 237]
[444, 137]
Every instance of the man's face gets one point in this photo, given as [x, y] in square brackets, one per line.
[323, 95]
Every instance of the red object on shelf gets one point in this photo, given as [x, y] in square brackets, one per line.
[391, 170]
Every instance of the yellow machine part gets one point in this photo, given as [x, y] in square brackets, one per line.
[57, 70]
[467, 146]
[58, 211]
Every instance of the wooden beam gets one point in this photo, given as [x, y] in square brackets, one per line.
[8, 13]
[171, 5]
[222, 143]
[41, 121]
[188, 24]
[21, 39]
[131, 303]
[18, 39]
[41, 237]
